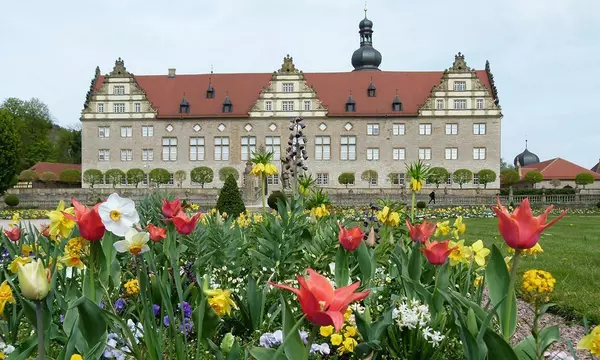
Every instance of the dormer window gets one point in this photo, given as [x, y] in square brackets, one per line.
[227, 105]
[184, 107]
[371, 90]
[350, 105]
[396, 104]
[210, 92]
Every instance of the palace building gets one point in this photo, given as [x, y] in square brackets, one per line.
[364, 119]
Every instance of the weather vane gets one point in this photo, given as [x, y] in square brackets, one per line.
[365, 9]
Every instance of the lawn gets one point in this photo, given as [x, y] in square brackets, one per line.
[571, 254]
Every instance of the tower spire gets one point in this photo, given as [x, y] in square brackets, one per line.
[366, 57]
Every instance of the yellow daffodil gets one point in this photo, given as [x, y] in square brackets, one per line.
[478, 281]
[26, 249]
[14, 265]
[77, 245]
[15, 221]
[132, 287]
[220, 301]
[336, 339]
[459, 227]
[479, 252]
[59, 223]
[6, 296]
[536, 249]
[461, 253]
[508, 260]
[442, 228]
[326, 331]
[591, 342]
[72, 260]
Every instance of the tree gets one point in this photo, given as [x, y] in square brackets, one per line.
[462, 176]
[135, 176]
[114, 176]
[202, 175]
[28, 176]
[48, 177]
[555, 183]
[160, 176]
[71, 176]
[346, 179]
[437, 176]
[504, 165]
[67, 147]
[180, 176]
[369, 176]
[486, 176]
[534, 177]
[509, 177]
[230, 200]
[10, 148]
[92, 177]
[226, 171]
[584, 178]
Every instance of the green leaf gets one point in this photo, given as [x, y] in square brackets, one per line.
[472, 322]
[260, 353]
[364, 328]
[498, 348]
[527, 347]
[498, 281]
[293, 346]
[341, 267]
[381, 324]
[415, 263]
[365, 262]
[442, 282]
[256, 302]
[91, 322]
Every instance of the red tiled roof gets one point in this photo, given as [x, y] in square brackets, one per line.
[56, 168]
[558, 168]
[333, 89]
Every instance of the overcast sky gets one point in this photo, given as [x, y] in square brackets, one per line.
[544, 54]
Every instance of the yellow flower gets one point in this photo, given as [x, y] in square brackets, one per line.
[26, 249]
[16, 220]
[347, 314]
[350, 331]
[591, 342]
[538, 282]
[319, 211]
[76, 357]
[349, 344]
[33, 280]
[336, 339]
[132, 287]
[459, 227]
[77, 246]
[461, 253]
[536, 249]
[480, 252]
[388, 217]
[257, 169]
[507, 260]
[59, 223]
[220, 300]
[72, 260]
[442, 228]
[326, 331]
[6, 296]
[416, 185]
[14, 265]
[270, 169]
[478, 281]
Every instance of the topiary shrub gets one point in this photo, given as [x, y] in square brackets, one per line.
[584, 178]
[11, 200]
[230, 199]
[180, 176]
[274, 198]
[346, 179]
[226, 171]
[70, 176]
[135, 176]
[160, 176]
[28, 176]
[421, 205]
[462, 176]
[486, 176]
[114, 176]
[92, 177]
[201, 175]
[48, 176]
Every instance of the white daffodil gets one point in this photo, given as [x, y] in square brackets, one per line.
[118, 214]
[135, 242]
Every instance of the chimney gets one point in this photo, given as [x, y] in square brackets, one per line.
[171, 73]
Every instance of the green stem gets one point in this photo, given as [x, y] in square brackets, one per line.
[535, 332]
[511, 293]
[92, 269]
[412, 208]
[39, 314]
[263, 181]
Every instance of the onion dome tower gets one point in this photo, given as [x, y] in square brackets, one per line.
[526, 158]
[366, 57]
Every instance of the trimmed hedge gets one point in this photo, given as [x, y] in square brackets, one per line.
[505, 191]
[11, 200]
[421, 205]
[70, 176]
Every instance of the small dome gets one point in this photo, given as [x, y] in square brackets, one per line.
[365, 23]
[526, 158]
[366, 57]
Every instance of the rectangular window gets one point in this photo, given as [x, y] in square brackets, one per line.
[372, 129]
[449, 181]
[439, 104]
[397, 178]
[322, 148]
[398, 129]
[425, 154]
[169, 149]
[119, 107]
[147, 130]
[103, 131]
[424, 129]
[119, 90]
[348, 148]
[399, 154]
[171, 180]
[147, 155]
[288, 87]
[126, 155]
[451, 153]
[322, 179]
[146, 179]
[479, 129]
[222, 148]
[100, 108]
[248, 147]
[103, 155]
[475, 179]
[306, 105]
[451, 129]
[460, 85]
[126, 131]
[268, 106]
[273, 144]
[373, 154]
[273, 179]
[480, 104]
[460, 104]
[196, 148]
[478, 153]
[287, 106]
[138, 107]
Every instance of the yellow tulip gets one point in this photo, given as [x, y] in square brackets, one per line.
[33, 280]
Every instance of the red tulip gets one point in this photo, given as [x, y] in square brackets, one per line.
[437, 252]
[13, 234]
[322, 304]
[350, 239]
[156, 233]
[45, 230]
[88, 221]
[184, 224]
[171, 208]
[421, 232]
[522, 230]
